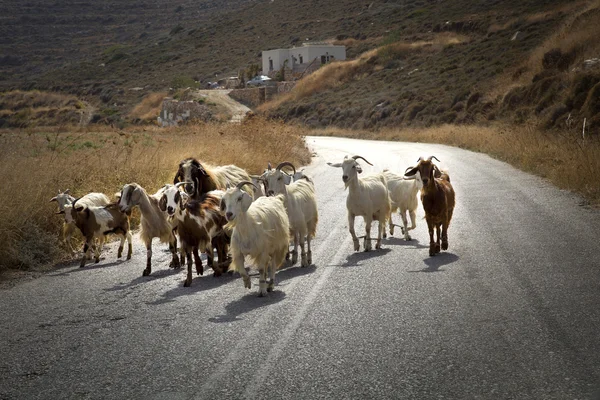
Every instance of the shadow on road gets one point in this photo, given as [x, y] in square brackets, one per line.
[355, 259]
[436, 262]
[292, 272]
[395, 241]
[90, 265]
[161, 273]
[249, 302]
[199, 284]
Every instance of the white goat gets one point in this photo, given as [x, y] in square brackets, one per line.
[260, 231]
[367, 197]
[403, 195]
[63, 199]
[301, 206]
[154, 222]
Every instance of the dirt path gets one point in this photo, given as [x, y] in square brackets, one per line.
[221, 97]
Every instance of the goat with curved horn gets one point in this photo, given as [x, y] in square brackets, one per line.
[361, 157]
[242, 183]
[286, 163]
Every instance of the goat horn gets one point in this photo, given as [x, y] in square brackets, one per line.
[242, 183]
[355, 157]
[430, 157]
[406, 170]
[283, 164]
[178, 184]
[269, 167]
[67, 191]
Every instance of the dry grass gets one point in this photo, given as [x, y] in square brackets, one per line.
[149, 108]
[35, 163]
[567, 161]
[337, 73]
[578, 36]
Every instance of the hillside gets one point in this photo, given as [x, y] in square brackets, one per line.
[437, 61]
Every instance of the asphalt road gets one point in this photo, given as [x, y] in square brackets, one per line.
[510, 311]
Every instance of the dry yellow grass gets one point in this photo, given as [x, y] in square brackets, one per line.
[567, 161]
[578, 35]
[149, 108]
[35, 163]
[337, 73]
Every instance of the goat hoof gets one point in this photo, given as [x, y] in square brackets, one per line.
[444, 245]
[287, 255]
[385, 235]
[187, 283]
[247, 283]
[407, 238]
[199, 270]
[129, 256]
[309, 257]
[146, 272]
[437, 248]
[97, 260]
[81, 265]
[217, 272]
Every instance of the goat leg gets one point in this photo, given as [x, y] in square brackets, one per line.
[431, 242]
[444, 237]
[309, 252]
[405, 227]
[197, 260]
[148, 269]
[271, 282]
[188, 278]
[351, 218]
[175, 260]
[437, 241]
[129, 245]
[262, 283]
[367, 243]
[379, 229]
[211, 260]
[86, 248]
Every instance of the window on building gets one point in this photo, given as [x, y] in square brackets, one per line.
[301, 61]
[270, 65]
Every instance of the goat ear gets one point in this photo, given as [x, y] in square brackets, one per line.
[411, 172]
[269, 167]
[227, 186]
[79, 209]
[287, 179]
[162, 204]
[336, 165]
[358, 169]
[222, 206]
[178, 177]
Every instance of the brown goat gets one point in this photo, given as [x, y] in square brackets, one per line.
[438, 200]
[200, 227]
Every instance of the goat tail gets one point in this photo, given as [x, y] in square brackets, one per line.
[445, 174]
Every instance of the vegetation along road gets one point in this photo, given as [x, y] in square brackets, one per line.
[509, 311]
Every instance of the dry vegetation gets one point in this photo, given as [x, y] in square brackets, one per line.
[338, 73]
[149, 108]
[567, 161]
[19, 109]
[35, 163]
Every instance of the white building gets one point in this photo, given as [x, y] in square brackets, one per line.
[300, 58]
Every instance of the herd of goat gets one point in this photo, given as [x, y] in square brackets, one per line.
[254, 218]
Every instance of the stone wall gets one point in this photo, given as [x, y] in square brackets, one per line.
[251, 97]
[174, 112]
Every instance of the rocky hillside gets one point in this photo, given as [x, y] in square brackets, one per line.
[418, 62]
